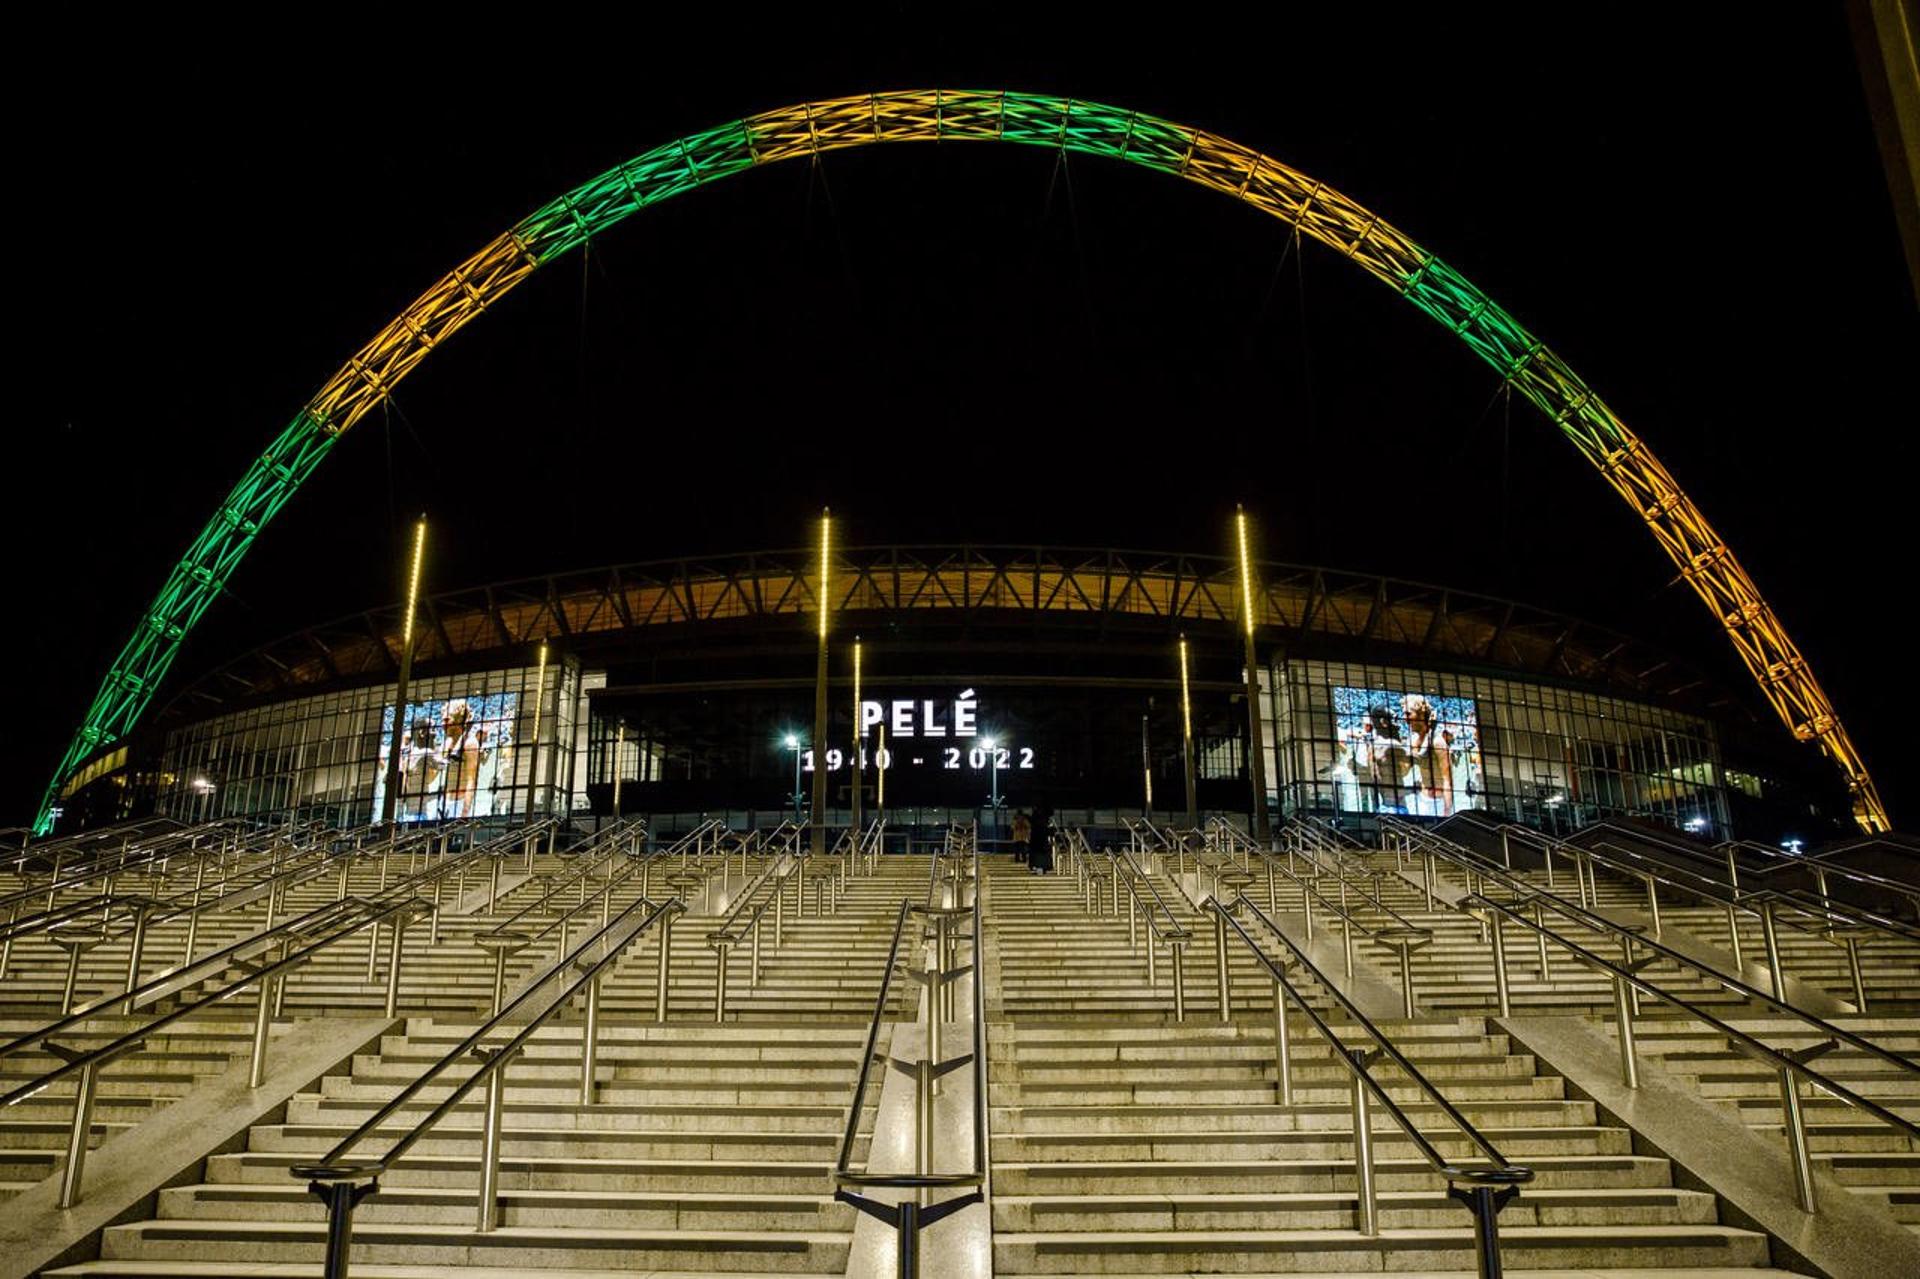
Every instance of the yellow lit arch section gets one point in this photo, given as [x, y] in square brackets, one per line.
[954, 115]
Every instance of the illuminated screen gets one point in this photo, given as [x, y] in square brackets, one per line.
[1413, 754]
[456, 758]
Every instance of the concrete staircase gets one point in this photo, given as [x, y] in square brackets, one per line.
[705, 1148]
[1126, 1143]
[1123, 1141]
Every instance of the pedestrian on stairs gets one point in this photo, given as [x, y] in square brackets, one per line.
[1040, 854]
[1022, 837]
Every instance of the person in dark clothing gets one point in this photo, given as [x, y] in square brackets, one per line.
[1040, 848]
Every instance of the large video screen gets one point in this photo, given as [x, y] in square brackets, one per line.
[456, 757]
[1411, 754]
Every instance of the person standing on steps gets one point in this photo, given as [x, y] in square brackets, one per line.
[1040, 858]
[1022, 838]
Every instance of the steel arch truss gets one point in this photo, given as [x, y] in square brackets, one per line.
[808, 129]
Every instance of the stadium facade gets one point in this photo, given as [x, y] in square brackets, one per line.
[1030, 676]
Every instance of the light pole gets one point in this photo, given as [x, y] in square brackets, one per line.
[793, 744]
[993, 773]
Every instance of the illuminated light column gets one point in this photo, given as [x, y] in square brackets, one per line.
[533, 747]
[819, 842]
[1186, 734]
[880, 773]
[619, 747]
[1256, 749]
[859, 740]
[1146, 764]
[389, 804]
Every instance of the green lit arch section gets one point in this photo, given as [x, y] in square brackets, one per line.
[810, 128]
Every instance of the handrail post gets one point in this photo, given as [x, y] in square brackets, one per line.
[1853, 971]
[6, 946]
[399, 927]
[1366, 1192]
[1282, 1045]
[1485, 1203]
[1406, 979]
[753, 967]
[923, 1075]
[499, 980]
[1733, 935]
[1426, 878]
[1346, 928]
[135, 945]
[262, 1026]
[1546, 852]
[1179, 979]
[340, 1197]
[1220, 960]
[1500, 963]
[720, 950]
[1540, 938]
[1770, 935]
[1796, 1126]
[488, 1215]
[77, 1136]
[1623, 1025]
[666, 959]
[193, 917]
[1653, 904]
[590, 1044]
[76, 947]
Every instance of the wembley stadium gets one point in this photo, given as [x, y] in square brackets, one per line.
[992, 679]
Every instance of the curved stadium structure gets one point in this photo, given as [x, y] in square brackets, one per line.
[684, 688]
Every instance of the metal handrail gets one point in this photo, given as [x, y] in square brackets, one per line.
[1358, 877]
[342, 1185]
[87, 1065]
[1486, 1189]
[1135, 878]
[1791, 1065]
[1503, 1171]
[175, 978]
[1782, 860]
[1528, 894]
[587, 861]
[116, 861]
[1800, 900]
[909, 1216]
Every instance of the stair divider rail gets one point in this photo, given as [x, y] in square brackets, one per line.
[1485, 1190]
[912, 1213]
[342, 1184]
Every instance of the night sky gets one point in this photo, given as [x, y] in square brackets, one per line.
[964, 342]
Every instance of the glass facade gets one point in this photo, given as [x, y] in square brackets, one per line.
[1341, 739]
[476, 745]
[1357, 738]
